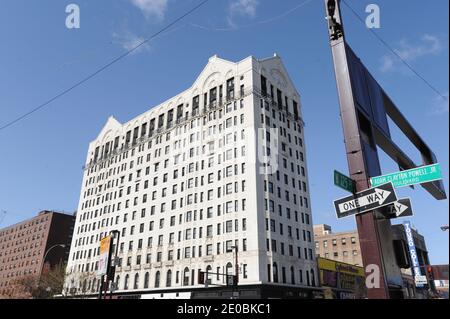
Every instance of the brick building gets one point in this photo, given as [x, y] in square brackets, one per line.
[23, 247]
[342, 246]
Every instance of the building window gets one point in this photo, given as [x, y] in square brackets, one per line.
[136, 281]
[157, 279]
[186, 277]
[169, 278]
[125, 285]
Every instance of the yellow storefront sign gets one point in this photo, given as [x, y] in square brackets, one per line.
[336, 266]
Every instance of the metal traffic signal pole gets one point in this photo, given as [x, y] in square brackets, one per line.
[375, 235]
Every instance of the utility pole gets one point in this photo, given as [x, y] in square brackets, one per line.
[236, 280]
[365, 112]
[236, 271]
[105, 273]
[102, 280]
[112, 270]
[375, 235]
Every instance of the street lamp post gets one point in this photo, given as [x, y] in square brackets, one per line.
[116, 235]
[46, 253]
[235, 283]
[45, 256]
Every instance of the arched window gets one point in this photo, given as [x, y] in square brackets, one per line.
[125, 284]
[313, 279]
[84, 286]
[275, 272]
[307, 278]
[169, 278]
[146, 279]
[186, 277]
[117, 281]
[292, 276]
[136, 281]
[208, 276]
[229, 272]
[229, 269]
[157, 279]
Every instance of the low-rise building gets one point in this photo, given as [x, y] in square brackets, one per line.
[31, 247]
[342, 246]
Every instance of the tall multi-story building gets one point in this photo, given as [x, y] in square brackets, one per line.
[341, 246]
[219, 167]
[30, 247]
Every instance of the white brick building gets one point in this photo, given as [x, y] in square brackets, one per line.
[183, 183]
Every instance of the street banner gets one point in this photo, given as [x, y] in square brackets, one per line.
[105, 244]
[418, 277]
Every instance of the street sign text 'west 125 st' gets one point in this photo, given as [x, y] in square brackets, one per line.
[344, 182]
[364, 201]
[418, 175]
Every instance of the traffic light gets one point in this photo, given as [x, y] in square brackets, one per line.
[430, 273]
[232, 280]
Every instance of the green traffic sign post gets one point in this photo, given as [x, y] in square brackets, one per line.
[344, 182]
[418, 175]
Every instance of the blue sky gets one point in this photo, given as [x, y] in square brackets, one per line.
[41, 157]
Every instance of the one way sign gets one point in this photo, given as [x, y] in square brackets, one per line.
[364, 201]
[401, 208]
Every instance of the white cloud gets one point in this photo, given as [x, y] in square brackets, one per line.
[429, 45]
[441, 105]
[244, 7]
[129, 41]
[152, 8]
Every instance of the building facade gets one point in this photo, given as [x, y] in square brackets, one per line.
[219, 168]
[24, 245]
[341, 280]
[410, 291]
[343, 246]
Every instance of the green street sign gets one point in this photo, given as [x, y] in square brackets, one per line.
[344, 182]
[418, 175]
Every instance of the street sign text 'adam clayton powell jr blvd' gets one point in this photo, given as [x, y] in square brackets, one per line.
[418, 175]
[364, 201]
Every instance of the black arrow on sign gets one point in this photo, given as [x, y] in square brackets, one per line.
[401, 208]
